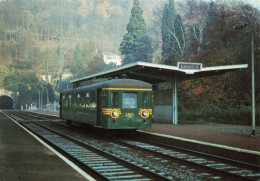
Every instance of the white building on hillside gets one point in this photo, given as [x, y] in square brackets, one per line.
[112, 58]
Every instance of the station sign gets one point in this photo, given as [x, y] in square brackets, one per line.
[189, 66]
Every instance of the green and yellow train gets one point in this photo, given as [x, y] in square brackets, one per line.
[111, 104]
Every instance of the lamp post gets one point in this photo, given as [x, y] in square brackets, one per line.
[46, 81]
[238, 27]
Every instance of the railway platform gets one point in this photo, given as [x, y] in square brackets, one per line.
[236, 136]
[22, 157]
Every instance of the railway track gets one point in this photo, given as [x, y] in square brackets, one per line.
[101, 165]
[226, 168]
[31, 115]
[125, 159]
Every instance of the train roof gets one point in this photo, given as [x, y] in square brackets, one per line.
[114, 83]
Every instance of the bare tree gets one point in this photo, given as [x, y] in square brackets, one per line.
[196, 21]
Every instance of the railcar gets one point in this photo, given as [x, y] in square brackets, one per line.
[111, 104]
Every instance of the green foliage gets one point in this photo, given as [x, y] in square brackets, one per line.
[96, 64]
[77, 67]
[168, 19]
[19, 82]
[143, 51]
[39, 36]
[215, 114]
[173, 37]
[24, 83]
[210, 23]
[136, 45]
[59, 52]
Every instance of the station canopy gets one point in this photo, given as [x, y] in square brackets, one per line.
[158, 73]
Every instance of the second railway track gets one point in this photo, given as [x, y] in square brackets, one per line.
[125, 159]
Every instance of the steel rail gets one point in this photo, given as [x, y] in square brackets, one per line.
[138, 169]
[206, 165]
[168, 153]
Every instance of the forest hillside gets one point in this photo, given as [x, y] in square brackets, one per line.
[42, 42]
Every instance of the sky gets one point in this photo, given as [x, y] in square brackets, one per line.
[255, 3]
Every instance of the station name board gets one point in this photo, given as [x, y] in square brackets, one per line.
[189, 66]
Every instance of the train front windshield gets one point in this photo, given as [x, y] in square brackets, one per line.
[129, 100]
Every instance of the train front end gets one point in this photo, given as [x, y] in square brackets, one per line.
[128, 106]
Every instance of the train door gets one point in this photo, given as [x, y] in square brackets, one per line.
[99, 107]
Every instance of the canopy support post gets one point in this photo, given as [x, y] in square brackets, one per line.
[174, 102]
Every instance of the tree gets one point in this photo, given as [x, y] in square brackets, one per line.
[60, 63]
[196, 22]
[210, 23]
[96, 64]
[134, 38]
[144, 51]
[59, 52]
[77, 61]
[28, 19]
[26, 83]
[173, 37]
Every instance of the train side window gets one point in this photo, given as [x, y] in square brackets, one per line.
[92, 100]
[145, 99]
[82, 100]
[78, 100]
[70, 101]
[92, 97]
[66, 103]
[130, 100]
[114, 99]
[104, 99]
[87, 99]
[63, 100]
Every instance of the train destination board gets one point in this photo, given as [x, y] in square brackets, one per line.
[189, 66]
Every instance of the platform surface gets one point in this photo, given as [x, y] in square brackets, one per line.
[24, 158]
[237, 136]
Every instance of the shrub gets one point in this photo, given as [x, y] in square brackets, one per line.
[215, 114]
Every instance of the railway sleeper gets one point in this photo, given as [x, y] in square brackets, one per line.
[107, 167]
[126, 177]
[118, 173]
[113, 170]
[140, 179]
[98, 162]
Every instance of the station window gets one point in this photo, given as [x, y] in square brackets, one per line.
[145, 99]
[130, 100]
[114, 99]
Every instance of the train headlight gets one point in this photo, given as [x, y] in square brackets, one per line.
[114, 114]
[145, 113]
